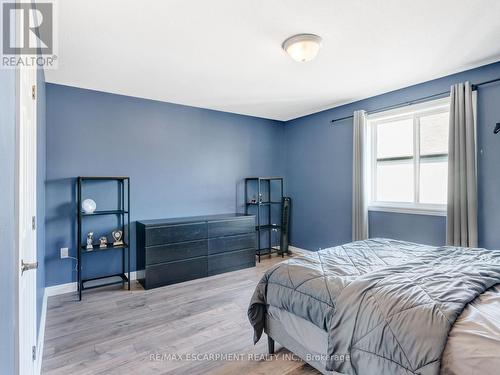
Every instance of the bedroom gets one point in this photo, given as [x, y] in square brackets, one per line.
[141, 148]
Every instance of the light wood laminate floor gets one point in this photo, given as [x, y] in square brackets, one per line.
[114, 331]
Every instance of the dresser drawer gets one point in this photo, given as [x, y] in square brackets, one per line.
[231, 243]
[231, 227]
[176, 251]
[175, 272]
[232, 261]
[175, 233]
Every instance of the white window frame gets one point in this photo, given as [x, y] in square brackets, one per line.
[414, 112]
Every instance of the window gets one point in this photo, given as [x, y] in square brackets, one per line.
[409, 158]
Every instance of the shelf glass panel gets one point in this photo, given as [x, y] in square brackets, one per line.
[267, 227]
[104, 212]
[110, 178]
[262, 203]
[98, 248]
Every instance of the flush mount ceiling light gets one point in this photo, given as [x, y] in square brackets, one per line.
[302, 47]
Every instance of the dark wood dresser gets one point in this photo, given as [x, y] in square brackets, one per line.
[171, 251]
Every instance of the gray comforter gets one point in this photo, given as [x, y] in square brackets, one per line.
[387, 305]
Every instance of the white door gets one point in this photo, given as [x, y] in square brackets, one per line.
[26, 211]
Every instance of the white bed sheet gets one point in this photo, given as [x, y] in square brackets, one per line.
[473, 344]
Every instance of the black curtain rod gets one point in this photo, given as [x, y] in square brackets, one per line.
[425, 98]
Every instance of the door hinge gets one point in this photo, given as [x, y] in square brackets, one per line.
[33, 92]
[33, 222]
[33, 352]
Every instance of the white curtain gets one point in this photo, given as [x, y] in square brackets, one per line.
[359, 183]
[462, 188]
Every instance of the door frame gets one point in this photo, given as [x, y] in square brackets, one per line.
[18, 194]
[17, 266]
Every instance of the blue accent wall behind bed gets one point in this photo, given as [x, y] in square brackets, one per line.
[182, 161]
[319, 171]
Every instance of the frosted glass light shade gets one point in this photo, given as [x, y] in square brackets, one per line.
[302, 47]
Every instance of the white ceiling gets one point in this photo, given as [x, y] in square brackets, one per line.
[226, 54]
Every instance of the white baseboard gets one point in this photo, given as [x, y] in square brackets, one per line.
[41, 335]
[56, 290]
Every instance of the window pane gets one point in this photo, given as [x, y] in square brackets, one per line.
[395, 138]
[433, 180]
[395, 181]
[434, 134]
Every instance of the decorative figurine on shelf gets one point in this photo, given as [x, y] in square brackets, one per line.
[253, 200]
[103, 242]
[117, 236]
[90, 240]
[88, 206]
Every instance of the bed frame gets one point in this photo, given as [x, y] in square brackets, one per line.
[276, 332]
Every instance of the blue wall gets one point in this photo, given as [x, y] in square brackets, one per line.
[188, 161]
[8, 262]
[319, 170]
[182, 161]
[41, 171]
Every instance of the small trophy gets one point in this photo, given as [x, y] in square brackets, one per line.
[117, 236]
[103, 242]
[90, 241]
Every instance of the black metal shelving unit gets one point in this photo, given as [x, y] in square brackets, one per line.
[265, 184]
[123, 215]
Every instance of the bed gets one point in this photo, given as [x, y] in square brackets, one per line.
[383, 306]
